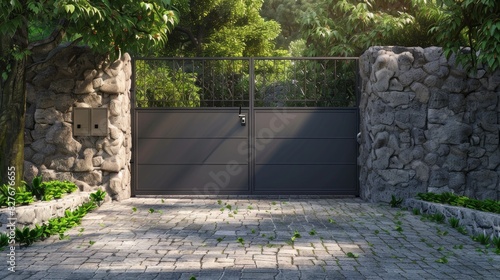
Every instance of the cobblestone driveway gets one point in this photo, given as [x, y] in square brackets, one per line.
[252, 238]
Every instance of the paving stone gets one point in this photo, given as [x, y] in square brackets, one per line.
[198, 242]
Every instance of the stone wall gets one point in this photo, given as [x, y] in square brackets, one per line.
[427, 125]
[69, 77]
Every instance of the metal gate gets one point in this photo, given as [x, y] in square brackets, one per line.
[208, 126]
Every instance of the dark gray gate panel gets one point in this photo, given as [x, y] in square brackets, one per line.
[192, 179]
[191, 152]
[307, 123]
[306, 179]
[190, 124]
[306, 151]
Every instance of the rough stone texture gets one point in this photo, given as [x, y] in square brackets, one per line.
[75, 77]
[427, 126]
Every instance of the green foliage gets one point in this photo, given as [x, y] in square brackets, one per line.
[395, 202]
[295, 235]
[442, 260]
[310, 83]
[352, 255]
[349, 27]
[134, 26]
[454, 222]
[4, 240]
[98, 196]
[50, 190]
[159, 85]
[222, 28]
[36, 188]
[496, 241]
[482, 238]
[56, 189]
[486, 205]
[27, 236]
[474, 24]
[240, 240]
[24, 197]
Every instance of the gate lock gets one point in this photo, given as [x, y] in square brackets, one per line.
[242, 117]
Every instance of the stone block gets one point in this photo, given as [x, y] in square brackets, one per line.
[48, 116]
[38, 159]
[439, 116]
[433, 53]
[456, 160]
[456, 103]
[438, 99]
[93, 178]
[396, 176]
[113, 164]
[86, 86]
[62, 85]
[433, 81]
[97, 161]
[41, 146]
[494, 80]
[114, 85]
[62, 164]
[382, 158]
[114, 132]
[412, 75]
[82, 186]
[93, 99]
[455, 85]
[438, 178]
[30, 171]
[453, 132]
[422, 170]
[30, 93]
[85, 164]
[25, 215]
[395, 98]
[97, 83]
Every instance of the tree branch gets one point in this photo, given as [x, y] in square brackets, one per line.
[189, 33]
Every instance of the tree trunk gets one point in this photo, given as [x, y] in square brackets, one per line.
[12, 104]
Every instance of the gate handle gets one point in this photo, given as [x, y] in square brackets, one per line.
[242, 117]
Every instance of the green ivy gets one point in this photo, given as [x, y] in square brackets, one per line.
[46, 191]
[486, 205]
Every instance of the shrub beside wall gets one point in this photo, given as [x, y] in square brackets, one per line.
[427, 125]
[66, 78]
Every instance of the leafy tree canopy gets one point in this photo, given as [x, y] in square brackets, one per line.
[474, 24]
[104, 25]
[221, 28]
[349, 27]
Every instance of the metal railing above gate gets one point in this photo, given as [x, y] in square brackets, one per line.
[236, 82]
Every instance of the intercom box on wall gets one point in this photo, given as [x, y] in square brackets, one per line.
[90, 121]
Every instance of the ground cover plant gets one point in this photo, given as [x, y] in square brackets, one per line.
[37, 191]
[57, 226]
[486, 205]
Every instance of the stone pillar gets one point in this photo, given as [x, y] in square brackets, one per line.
[427, 125]
[71, 77]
